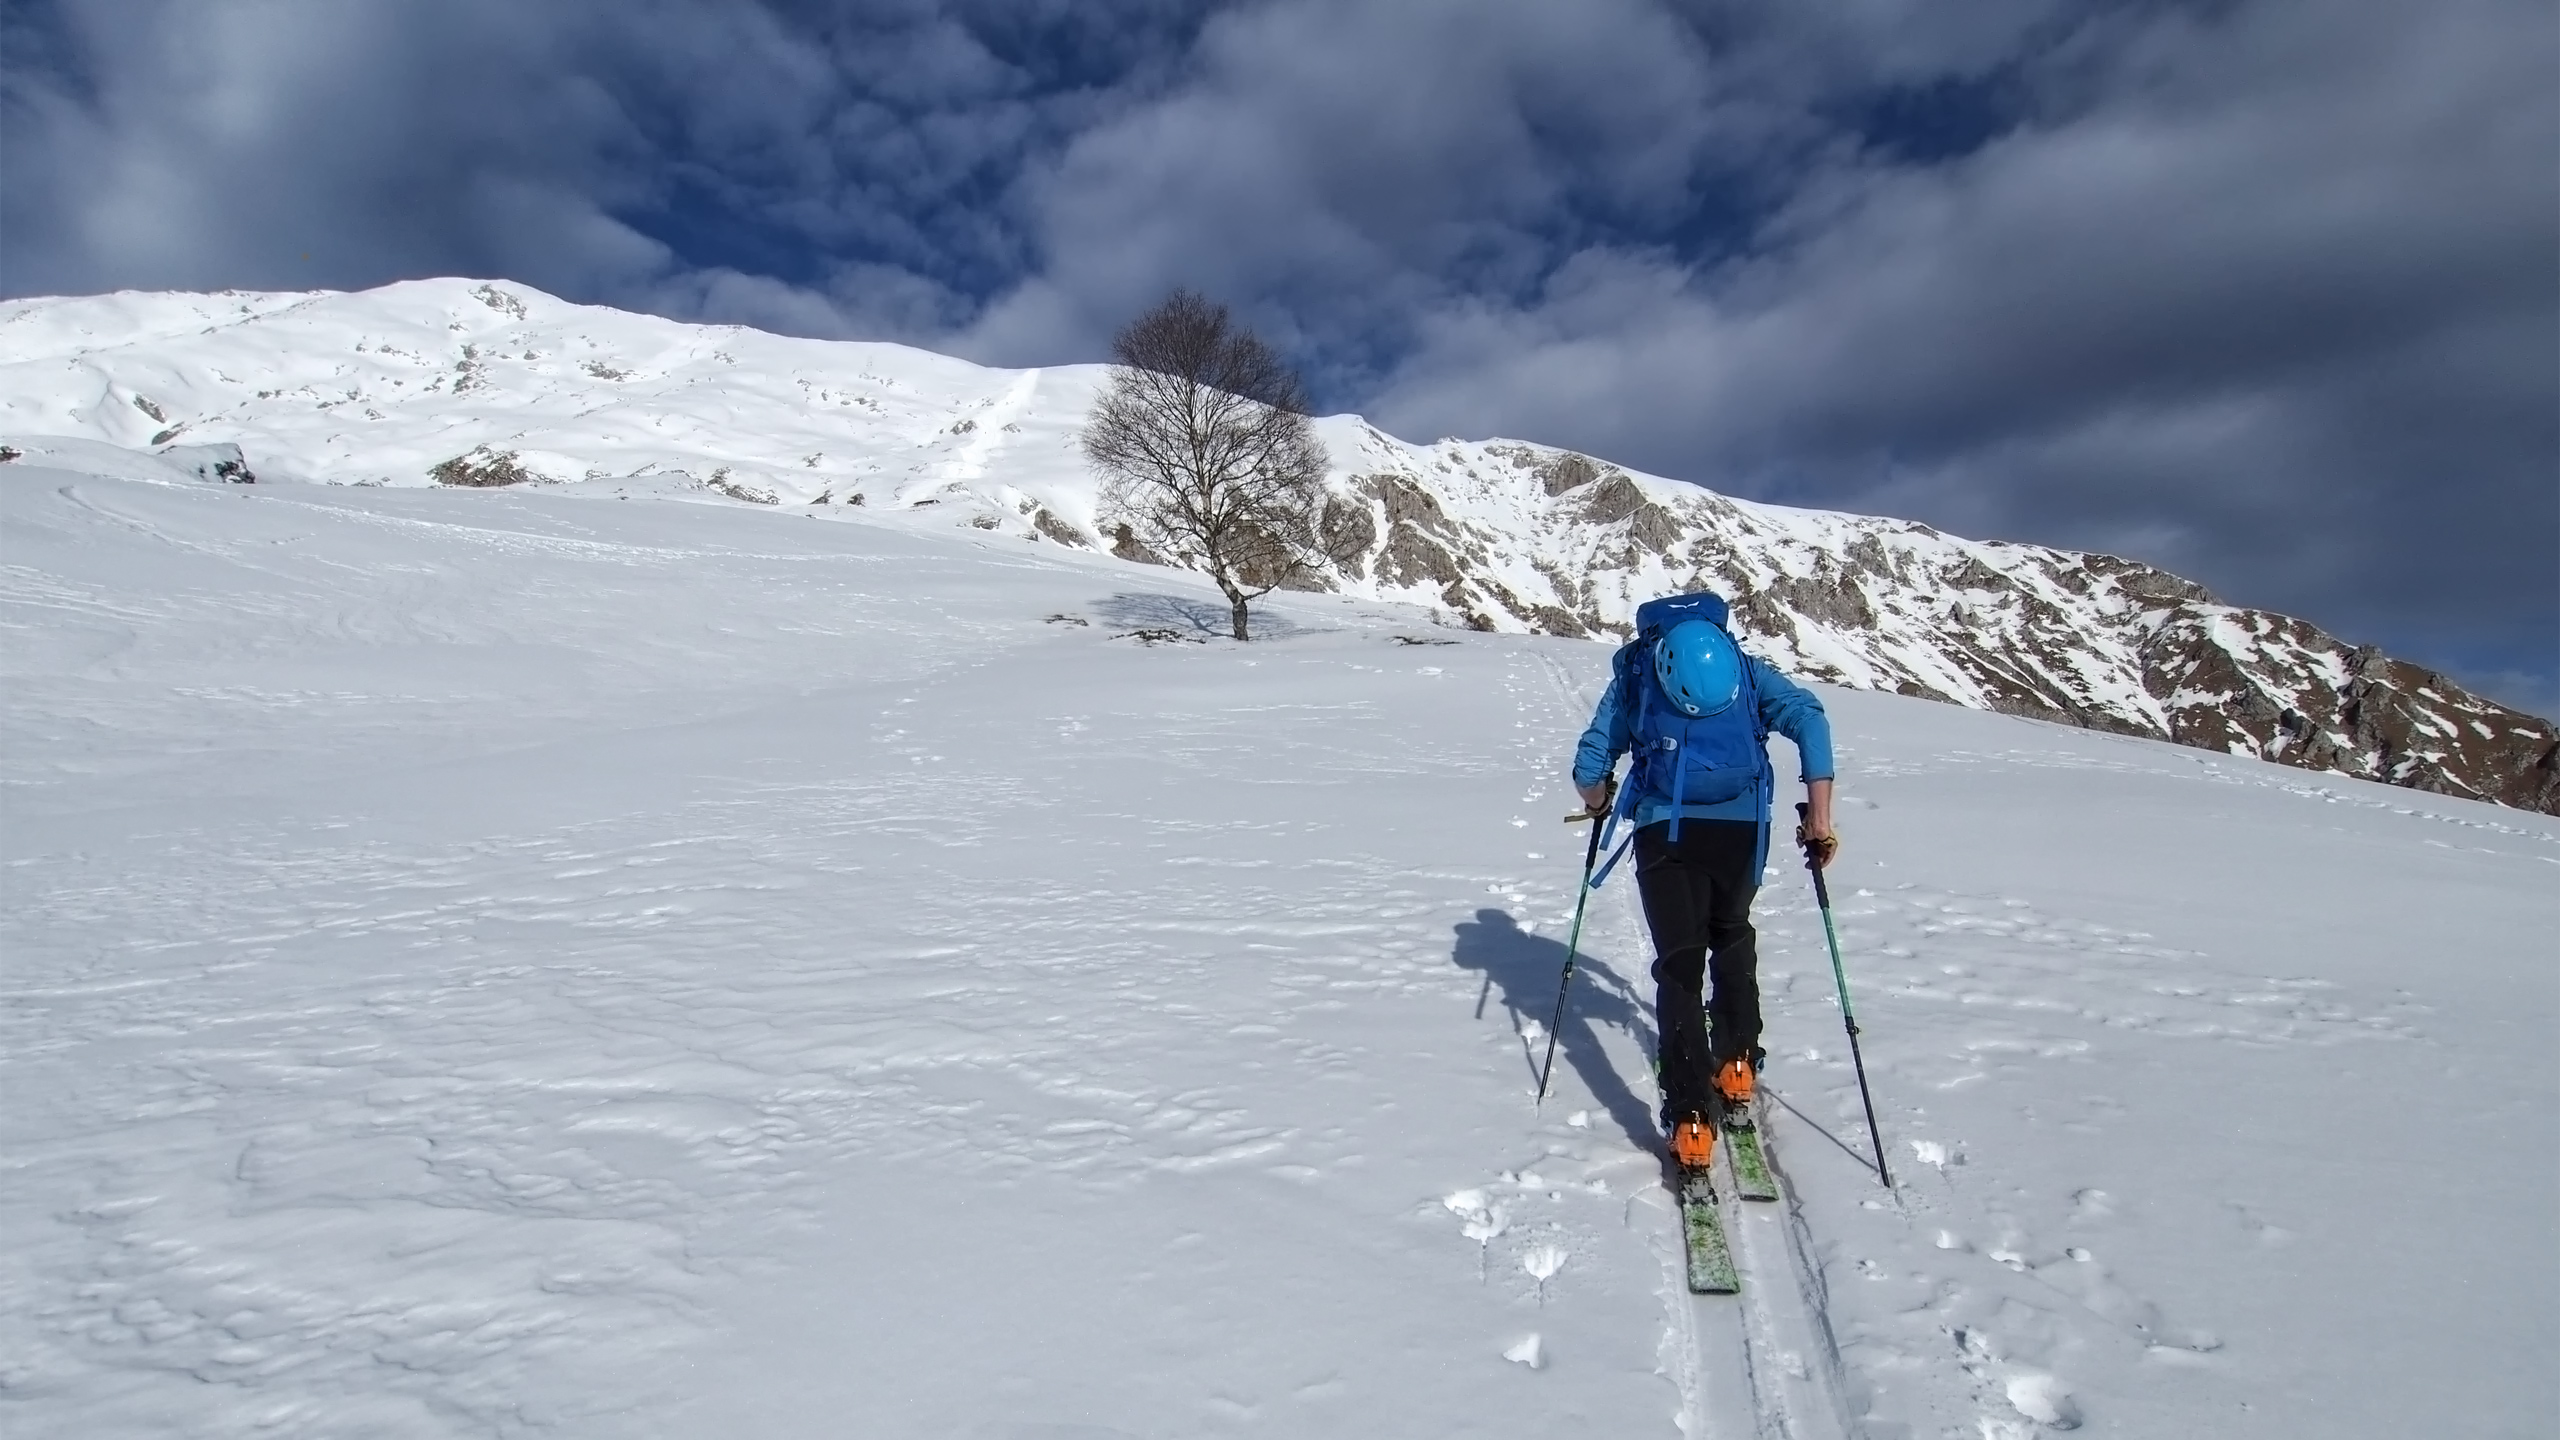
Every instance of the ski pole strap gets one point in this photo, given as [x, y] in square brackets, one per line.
[1679, 779]
[1601, 875]
[1623, 809]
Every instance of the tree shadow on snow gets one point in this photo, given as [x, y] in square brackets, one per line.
[1190, 616]
[1525, 968]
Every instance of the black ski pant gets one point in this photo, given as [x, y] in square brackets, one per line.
[1697, 901]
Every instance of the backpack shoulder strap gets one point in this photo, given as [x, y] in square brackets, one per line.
[1628, 671]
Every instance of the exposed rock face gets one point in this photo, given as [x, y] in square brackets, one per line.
[222, 463]
[1513, 537]
[1126, 544]
[2256, 683]
[1348, 531]
[1048, 524]
[482, 468]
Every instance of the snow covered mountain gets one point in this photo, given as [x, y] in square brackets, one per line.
[503, 964]
[474, 383]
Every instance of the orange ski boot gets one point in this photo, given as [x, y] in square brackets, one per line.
[1733, 1082]
[1693, 1143]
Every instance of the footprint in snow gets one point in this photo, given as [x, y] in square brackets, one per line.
[2043, 1399]
[1542, 1262]
[1482, 1221]
[2034, 1397]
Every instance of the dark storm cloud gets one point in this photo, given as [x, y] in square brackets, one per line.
[2262, 296]
[828, 169]
[2262, 292]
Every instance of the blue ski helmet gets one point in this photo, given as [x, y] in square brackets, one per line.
[1699, 668]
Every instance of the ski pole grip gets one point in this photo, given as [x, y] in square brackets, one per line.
[1821, 890]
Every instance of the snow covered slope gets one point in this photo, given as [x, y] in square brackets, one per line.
[504, 964]
[483, 383]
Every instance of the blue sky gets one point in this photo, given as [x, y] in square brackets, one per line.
[2268, 294]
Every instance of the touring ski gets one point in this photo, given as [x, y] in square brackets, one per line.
[1741, 1130]
[1711, 1269]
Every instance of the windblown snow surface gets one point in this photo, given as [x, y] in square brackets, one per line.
[534, 962]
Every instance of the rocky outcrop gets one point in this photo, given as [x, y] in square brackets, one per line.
[1047, 523]
[222, 463]
[1126, 545]
[1348, 531]
[482, 468]
[1513, 537]
[2255, 683]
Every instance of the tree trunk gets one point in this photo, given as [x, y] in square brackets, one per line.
[1236, 598]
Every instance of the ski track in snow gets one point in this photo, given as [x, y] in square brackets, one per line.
[508, 964]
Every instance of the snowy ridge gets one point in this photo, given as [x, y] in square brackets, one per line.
[476, 382]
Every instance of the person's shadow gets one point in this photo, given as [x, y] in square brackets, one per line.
[1526, 968]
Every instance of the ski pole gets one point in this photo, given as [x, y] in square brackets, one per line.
[1572, 951]
[1840, 977]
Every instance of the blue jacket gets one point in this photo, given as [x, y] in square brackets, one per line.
[1785, 707]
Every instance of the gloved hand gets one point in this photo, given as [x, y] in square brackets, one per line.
[1597, 800]
[1818, 849]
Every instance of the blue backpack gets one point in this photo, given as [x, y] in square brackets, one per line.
[1681, 759]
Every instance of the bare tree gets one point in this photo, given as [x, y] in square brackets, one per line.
[1207, 456]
